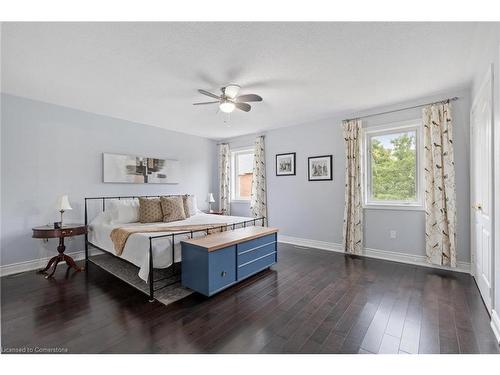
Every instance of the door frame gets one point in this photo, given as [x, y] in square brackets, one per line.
[495, 318]
[487, 79]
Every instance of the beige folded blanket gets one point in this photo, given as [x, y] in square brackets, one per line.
[119, 236]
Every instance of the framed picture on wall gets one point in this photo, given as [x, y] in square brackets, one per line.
[118, 168]
[285, 164]
[320, 168]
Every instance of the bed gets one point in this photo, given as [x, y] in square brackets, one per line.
[147, 251]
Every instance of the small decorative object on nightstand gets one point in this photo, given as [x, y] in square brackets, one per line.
[67, 230]
[63, 205]
[210, 200]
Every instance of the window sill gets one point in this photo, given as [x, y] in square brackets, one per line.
[389, 207]
[240, 201]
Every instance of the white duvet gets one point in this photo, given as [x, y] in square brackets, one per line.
[136, 249]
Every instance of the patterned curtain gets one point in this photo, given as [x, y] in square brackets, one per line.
[258, 204]
[440, 201]
[224, 175]
[353, 209]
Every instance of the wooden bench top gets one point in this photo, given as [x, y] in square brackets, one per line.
[220, 240]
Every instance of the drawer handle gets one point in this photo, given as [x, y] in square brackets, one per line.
[223, 274]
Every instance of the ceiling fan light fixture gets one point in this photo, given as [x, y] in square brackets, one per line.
[226, 106]
[229, 100]
[231, 91]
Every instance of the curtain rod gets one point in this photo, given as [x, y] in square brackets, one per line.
[229, 141]
[404, 109]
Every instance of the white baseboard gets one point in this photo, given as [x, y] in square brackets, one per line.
[495, 325]
[331, 246]
[418, 260]
[10, 269]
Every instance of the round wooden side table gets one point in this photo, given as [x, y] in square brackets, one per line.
[67, 230]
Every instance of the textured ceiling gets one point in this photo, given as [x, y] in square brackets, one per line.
[149, 72]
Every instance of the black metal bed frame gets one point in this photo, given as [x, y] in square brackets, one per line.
[173, 267]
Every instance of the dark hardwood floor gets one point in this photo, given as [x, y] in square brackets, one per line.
[312, 301]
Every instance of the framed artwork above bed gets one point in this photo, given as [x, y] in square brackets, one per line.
[118, 168]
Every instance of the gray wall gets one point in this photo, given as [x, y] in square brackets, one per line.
[57, 150]
[49, 150]
[314, 210]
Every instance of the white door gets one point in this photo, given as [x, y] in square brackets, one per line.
[481, 188]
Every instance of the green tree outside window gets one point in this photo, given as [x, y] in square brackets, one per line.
[393, 167]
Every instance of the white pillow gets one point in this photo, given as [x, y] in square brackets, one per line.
[102, 218]
[193, 207]
[123, 211]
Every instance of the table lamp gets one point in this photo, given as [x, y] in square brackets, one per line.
[63, 205]
[210, 200]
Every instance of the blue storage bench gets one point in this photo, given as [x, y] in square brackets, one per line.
[217, 261]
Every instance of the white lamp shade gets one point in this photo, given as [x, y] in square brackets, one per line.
[210, 198]
[63, 203]
[231, 91]
[227, 106]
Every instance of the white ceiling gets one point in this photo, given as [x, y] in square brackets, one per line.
[150, 72]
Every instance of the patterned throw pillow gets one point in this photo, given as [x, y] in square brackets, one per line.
[150, 210]
[173, 208]
[189, 205]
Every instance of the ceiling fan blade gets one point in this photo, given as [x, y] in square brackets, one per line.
[243, 106]
[204, 92]
[249, 98]
[202, 103]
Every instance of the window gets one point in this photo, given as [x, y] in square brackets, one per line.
[392, 165]
[241, 174]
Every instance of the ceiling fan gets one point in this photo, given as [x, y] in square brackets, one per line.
[229, 99]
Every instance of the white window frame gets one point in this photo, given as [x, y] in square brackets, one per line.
[390, 128]
[234, 173]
